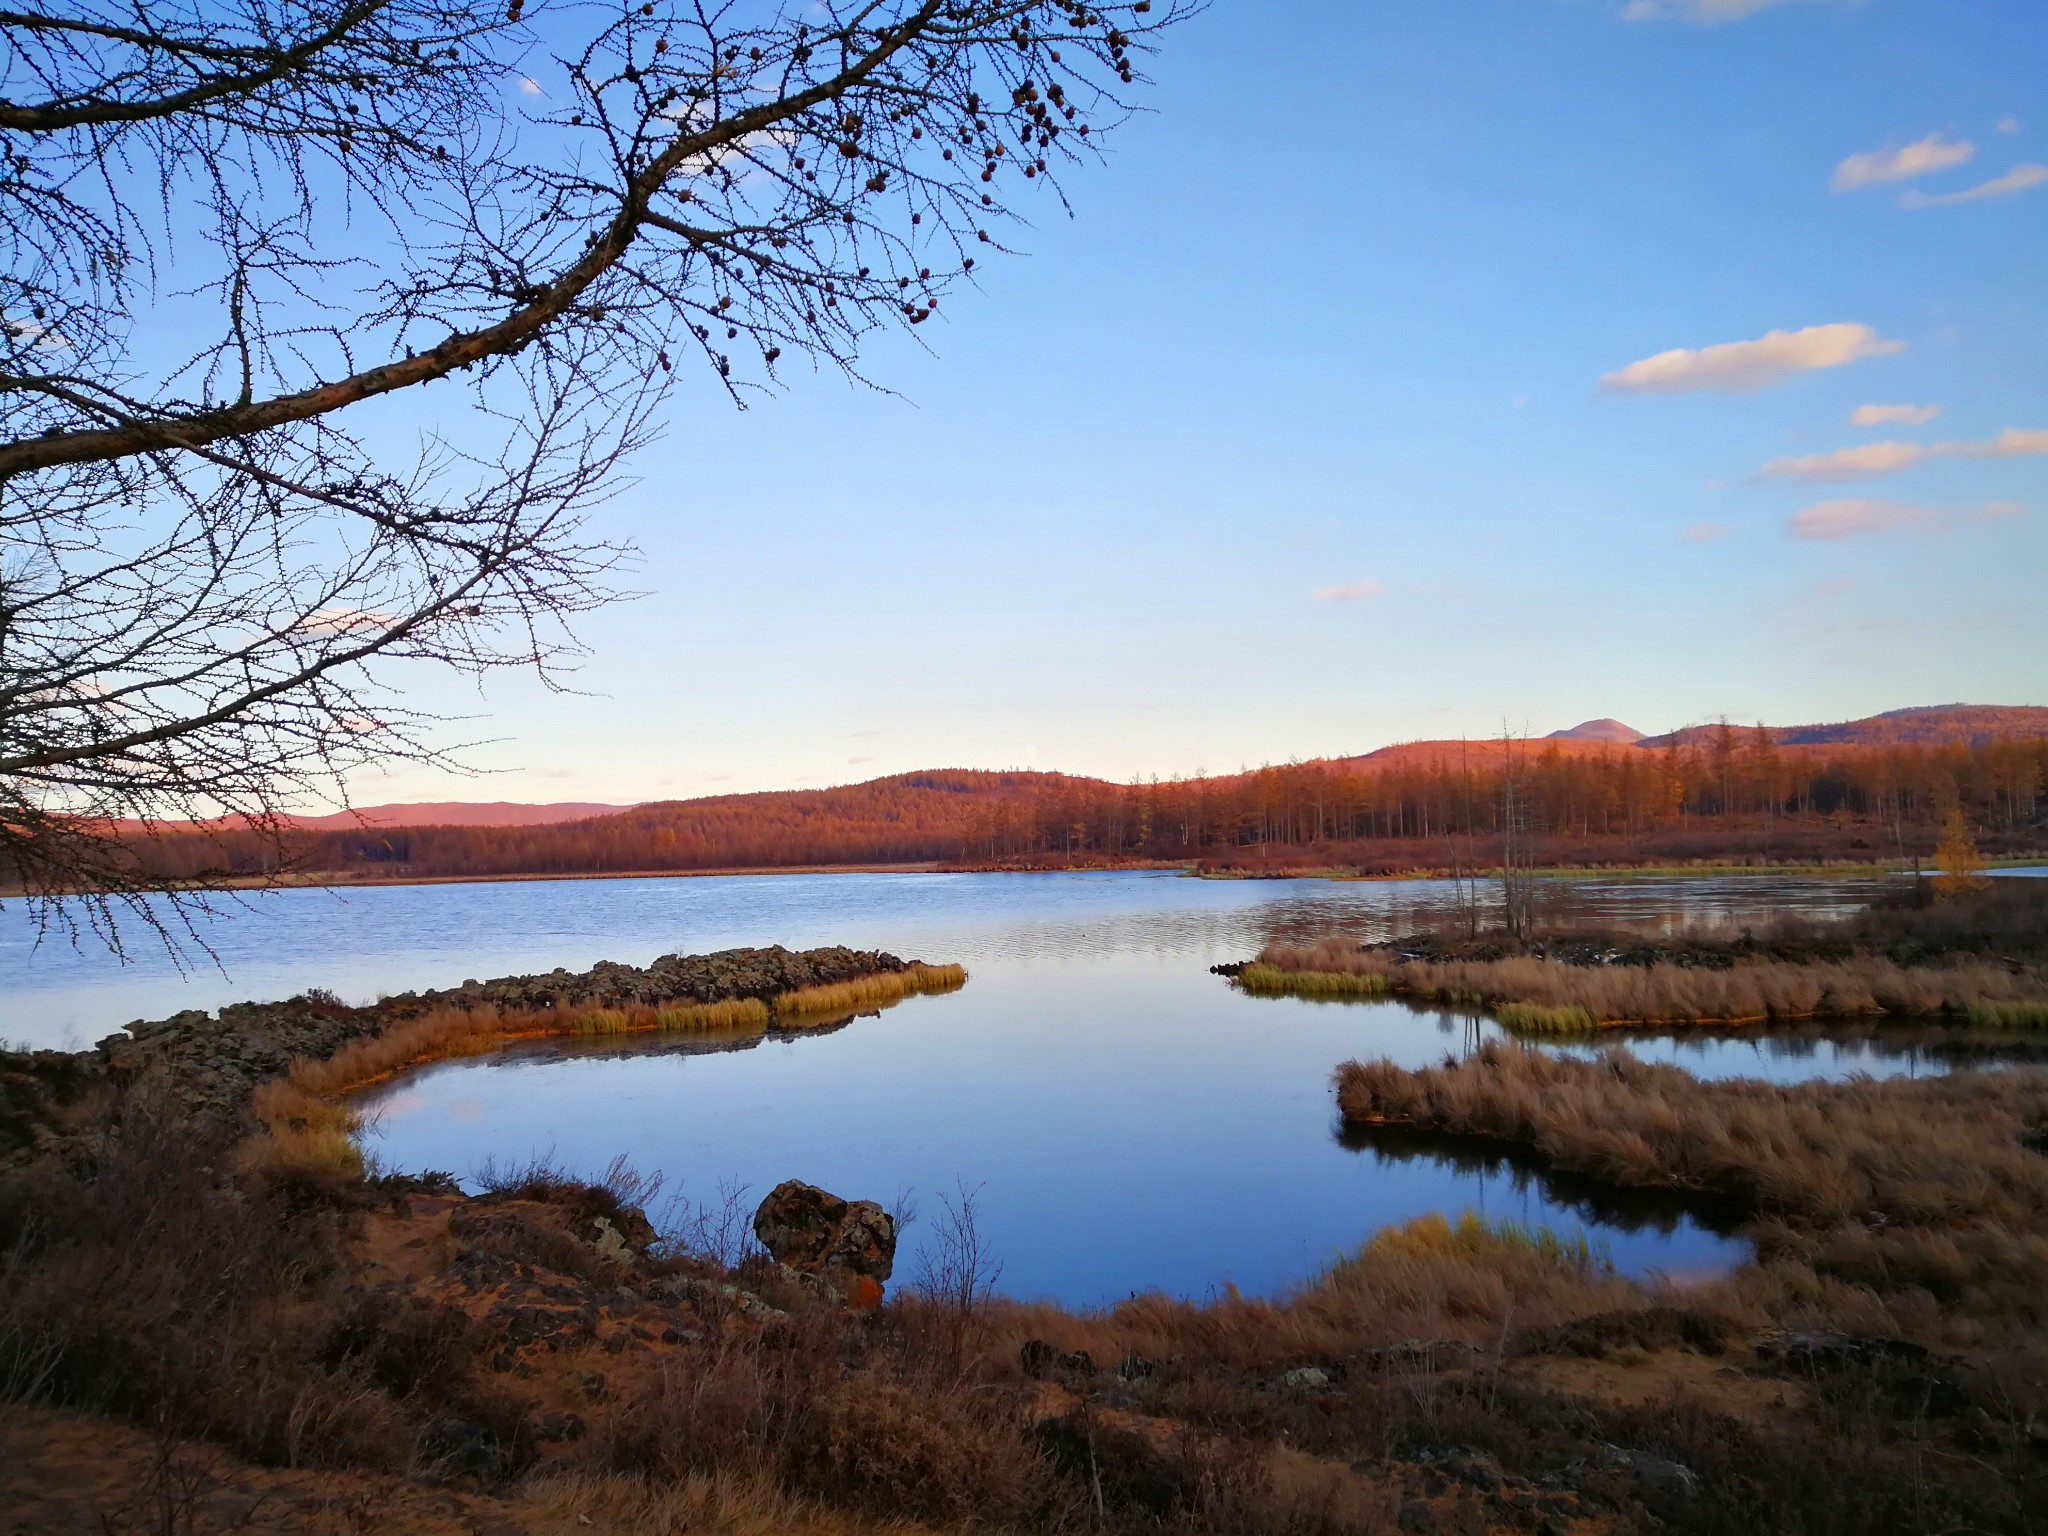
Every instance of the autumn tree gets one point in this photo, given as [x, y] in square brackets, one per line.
[1961, 865]
[326, 325]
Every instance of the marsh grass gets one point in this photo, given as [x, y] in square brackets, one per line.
[1663, 993]
[2022, 1015]
[1546, 1019]
[866, 991]
[1930, 1151]
[452, 1032]
[1278, 979]
[309, 1133]
[1474, 1238]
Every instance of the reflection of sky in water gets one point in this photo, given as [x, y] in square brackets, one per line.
[371, 940]
[1130, 1120]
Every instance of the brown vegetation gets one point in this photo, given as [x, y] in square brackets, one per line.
[1977, 957]
[1912, 1208]
[305, 1129]
[1733, 796]
[537, 1355]
[552, 1359]
[1932, 1151]
[1660, 993]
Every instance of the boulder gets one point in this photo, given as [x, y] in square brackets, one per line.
[846, 1246]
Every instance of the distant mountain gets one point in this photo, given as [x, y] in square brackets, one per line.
[955, 813]
[1967, 725]
[1599, 730]
[460, 813]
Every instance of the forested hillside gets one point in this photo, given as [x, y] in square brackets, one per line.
[1730, 793]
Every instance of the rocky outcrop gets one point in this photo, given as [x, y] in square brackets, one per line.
[211, 1063]
[847, 1248]
[720, 977]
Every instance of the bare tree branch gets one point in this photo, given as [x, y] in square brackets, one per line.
[210, 586]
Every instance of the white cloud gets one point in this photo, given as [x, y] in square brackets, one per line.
[1352, 592]
[1862, 463]
[1893, 415]
[530, 86]
[1931, 154]
[1740, 366]
[2008, 125]
[1836, 586]
[1709, 13]
[347, 621]
[2018, 179]
[1888, 458]
[1854, 518]
[1704, 533]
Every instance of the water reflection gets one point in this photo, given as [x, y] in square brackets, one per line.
[1131, 1121]
[370, 941]
[1527, 1173]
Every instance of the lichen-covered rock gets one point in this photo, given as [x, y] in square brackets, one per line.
[849, 1246]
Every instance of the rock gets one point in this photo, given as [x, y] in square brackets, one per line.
[850, 1245]
[717, 1295]
[212, 1063]
[1462, 1464]
[1305, 1378]
[1825, 1350]
[1036, 1357]
[1137, 1368]
[611, 1243]
[1412, 1354]
[1646, 1328]
[552, 1428]
[1657, 1475]
[456, 1444]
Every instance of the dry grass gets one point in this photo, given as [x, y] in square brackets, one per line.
[723, 1503]
[1546, 1019]
[307, 1135]
[883, 987]
[1663, 993]
[1279, 979]
[304, 1138]
[451, 1032]
[1428, 1279]
[443, 1033]
[1915, 1151]
[1904, 1207]
[156, 1286]
[2029, 1015]
[150, 1287]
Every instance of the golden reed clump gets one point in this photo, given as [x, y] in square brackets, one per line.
[1557, 997]
[308, 1130]
[1929, 1151]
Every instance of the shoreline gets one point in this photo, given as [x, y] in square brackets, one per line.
[1705, 869]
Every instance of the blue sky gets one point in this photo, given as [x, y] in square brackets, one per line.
[1294, 441]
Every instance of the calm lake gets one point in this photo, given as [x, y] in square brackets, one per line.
[1127, 1120]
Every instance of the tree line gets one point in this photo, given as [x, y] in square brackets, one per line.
[1734, 791]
